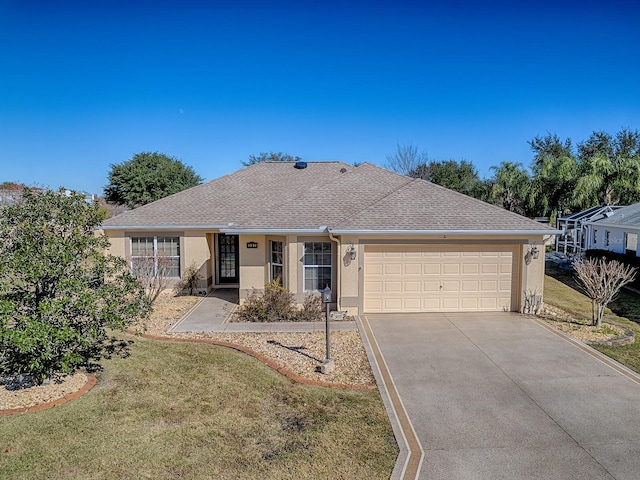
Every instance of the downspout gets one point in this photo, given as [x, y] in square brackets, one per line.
[338, 275]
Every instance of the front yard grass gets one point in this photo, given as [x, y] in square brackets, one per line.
[562, 292]
[178, 410]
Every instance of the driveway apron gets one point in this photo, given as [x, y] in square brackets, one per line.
[499, 396]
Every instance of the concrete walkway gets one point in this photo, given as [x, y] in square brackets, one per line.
[503, 396]
[213, 312]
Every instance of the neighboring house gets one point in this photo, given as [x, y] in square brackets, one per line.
[574, 239]
[10, 197]
[616, 233]
[382, 242]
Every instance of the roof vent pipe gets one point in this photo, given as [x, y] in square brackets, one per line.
[300, 165]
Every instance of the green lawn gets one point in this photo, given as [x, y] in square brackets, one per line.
[561, 290]
[174, 410]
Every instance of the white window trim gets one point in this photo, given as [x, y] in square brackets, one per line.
[155, 251]
[305, 266]
[276, 264]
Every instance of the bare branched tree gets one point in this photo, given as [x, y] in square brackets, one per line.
[408, 160]
[152, 273]
[602, 280]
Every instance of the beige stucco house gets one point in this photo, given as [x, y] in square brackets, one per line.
[382, 242]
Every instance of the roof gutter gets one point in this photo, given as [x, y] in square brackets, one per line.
[272, 231]
[162, 228]
[492, 233]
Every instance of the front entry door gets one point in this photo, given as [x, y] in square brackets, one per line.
[228, 256]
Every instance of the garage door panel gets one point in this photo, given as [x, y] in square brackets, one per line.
[451, 303]
[470, 269]
[431, 268]
[412, 304]
[451, 269]
[392, 287]
[422, 278]
[392, 269]
[413, 287]
[450, 286]
[431, 286]
[413, 268]
[469, 303]
[470, 285]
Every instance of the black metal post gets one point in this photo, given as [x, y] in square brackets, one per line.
[327, 335]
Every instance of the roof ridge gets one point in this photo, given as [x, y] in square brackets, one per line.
[377, 200]
[288, 199]
[474, 199]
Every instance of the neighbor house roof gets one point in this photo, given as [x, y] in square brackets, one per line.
[624, 217]
[324, 196]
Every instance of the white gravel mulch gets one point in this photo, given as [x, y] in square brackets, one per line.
[576, 328]
[300, 353]
[29, 397]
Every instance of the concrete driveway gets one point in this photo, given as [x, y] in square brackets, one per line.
[499, 396]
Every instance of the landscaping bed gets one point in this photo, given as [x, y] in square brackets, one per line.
[561, 291]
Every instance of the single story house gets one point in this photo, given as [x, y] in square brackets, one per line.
[382, 242]
[574, 238]
[616, 233]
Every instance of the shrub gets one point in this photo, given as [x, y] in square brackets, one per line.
[189, 280]
[60, 294]
[275, 304]
[312, 309]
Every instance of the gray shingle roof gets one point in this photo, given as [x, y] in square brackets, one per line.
[623, 217]
[274, 195]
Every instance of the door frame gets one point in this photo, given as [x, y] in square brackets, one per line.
[225, 280]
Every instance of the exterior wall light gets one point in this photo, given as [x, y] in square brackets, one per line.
[535, 253]
[352, 252]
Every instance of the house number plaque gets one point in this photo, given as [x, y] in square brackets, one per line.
[252, 244]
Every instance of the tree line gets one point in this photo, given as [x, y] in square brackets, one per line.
[602, 170]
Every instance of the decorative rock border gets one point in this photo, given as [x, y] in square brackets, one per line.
[267, 361]
[91, 382]
[627, 339]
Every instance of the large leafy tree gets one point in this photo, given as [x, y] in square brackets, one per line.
[148, 177]
[460, 176]
[270, 157]
[609, 169]
[59, 291]
[509, 187]
[554, 173]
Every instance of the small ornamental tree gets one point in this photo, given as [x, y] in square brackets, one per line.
[602, 280]
[59, 291]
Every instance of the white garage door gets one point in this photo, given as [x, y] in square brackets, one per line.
[436, 278]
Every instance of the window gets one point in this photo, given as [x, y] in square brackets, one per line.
[317, 266]
[607, 238]
[631, 242]
[156, 252]
[595, 237]
[276, 262]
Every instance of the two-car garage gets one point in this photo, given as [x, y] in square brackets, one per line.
[439, 278]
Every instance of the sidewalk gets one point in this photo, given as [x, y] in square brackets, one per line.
[212, 314]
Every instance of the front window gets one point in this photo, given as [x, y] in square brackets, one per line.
[595, 237]
[156, 254]
[607, 238]
[276, 262]
[317, 266]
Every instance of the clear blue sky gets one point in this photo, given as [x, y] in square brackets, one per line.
[87, 84]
